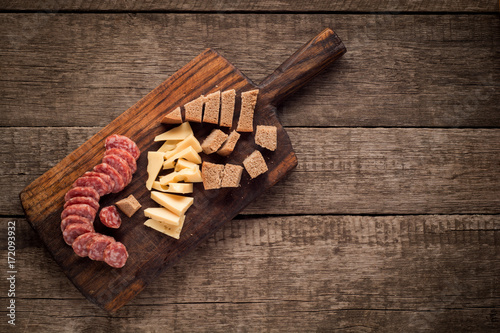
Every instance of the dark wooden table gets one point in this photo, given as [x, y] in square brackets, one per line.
[390, 222]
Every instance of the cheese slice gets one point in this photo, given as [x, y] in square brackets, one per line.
[177, 133]
[181, 188]
[155, 162]
[186, 175]
[177, 204]
[163, 215]
[169, 145]
[185, 164]
[189, 154]
[190, 141]
[166, 229]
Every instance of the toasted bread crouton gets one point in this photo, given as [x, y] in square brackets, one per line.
[228, 146]
[173, 117]
[211, 174]
[129, 205]
[212, 106]
[194, 110]
[255, 164]
[213, 141]
[248, 102]
[228, 98]
[266, 137]
[232, 175]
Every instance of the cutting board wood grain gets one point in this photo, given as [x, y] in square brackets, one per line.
[150, 252]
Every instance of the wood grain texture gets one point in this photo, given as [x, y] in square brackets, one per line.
[256, 5]
[340, 170]
[309, 273]
[401, 70]
[151, 252]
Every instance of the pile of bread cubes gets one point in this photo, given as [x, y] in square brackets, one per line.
[219, 109]
[181, 149]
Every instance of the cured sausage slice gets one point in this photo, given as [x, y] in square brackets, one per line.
[97, 245]
[122, 142]
[82, 210]
[115, 176]
[115, 255]
[71, 219]
[83, 200]
[82, 192]
[95, 182]
[125, 155]
[81, 242]
[120, 165]
[110, 217]
[74, 230]
[107, 179]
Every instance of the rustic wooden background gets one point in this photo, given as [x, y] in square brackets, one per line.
[389, 223]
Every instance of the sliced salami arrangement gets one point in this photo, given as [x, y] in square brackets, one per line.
[82, 203]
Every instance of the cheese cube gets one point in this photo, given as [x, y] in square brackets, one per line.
[181, 188]
[177, 204]
[189, 154]
[189, 141]
[187, 175]
[163, 215]
[155, 162]
[177, 133]
[185, 164]
[169, 145]
[172, 231]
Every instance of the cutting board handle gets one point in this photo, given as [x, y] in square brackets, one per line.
[301, 67]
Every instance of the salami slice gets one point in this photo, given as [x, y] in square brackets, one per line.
[82, 210]
[120, 165]
[125, 155]
[97, 245]
[122, 142]
[81, 242]
[82, 192]
[115, 176]
[115, 255]
[107, 179]
[95, 182]
[83, 200]
[110, 217]
[74, 230]
[71, 219]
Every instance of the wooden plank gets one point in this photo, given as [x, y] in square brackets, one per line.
[306, 273]
[400, 70]
[340, 170]
[256, 5]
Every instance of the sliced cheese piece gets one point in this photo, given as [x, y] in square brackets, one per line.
[190, 141]
[181, 188]
[189, 154]
[169, 145]
[192, 175]
[163, 215]
[185, 164]
[177, 133]
[186, 175]
[164, 228]
[177, 204]
[155, 162]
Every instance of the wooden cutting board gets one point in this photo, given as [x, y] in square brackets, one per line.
[150, 252]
